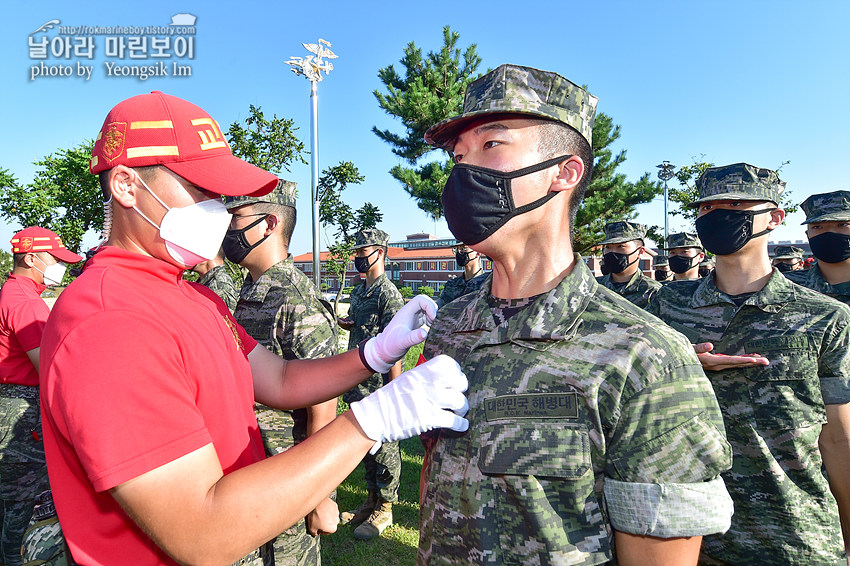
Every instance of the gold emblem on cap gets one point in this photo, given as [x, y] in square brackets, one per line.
[113, 140]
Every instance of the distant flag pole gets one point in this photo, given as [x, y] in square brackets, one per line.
[311, 67]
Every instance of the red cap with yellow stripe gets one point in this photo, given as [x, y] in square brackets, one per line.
[160, 129]
[35, 239]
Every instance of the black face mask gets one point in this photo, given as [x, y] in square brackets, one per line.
[830, 247]
[784, 267]
[724, 232]
[617, 263]
[362, 264]
[661, 275]
[681, 263]
[478, 201]
[462, 258]
[703, 271]
[236, 246]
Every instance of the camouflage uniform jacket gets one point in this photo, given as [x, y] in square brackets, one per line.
[784, 510]
[459, 286]
[638, 290]
[584, 409]
[221, 283]
[372, 308]
[281, 310]
[813, 279]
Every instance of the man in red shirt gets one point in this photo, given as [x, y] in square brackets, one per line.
[148, 383]
[39, 260]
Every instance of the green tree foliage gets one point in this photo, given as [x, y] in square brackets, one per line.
[431, 90]
[337, 215]
[63, 197]
[609, 195]
[268, 144]
[406, 292]
[687, 191]
[426, 290]
[5, 265]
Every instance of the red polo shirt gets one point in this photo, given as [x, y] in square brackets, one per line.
[22, 316]
[139, 368]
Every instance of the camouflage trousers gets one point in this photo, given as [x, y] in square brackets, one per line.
[383, 471]
[20, 483]
[281, 430]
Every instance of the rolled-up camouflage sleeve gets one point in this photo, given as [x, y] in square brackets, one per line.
[834, 362]
[665, 458]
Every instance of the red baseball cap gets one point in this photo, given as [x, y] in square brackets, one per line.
[160, 129]
[35, 239]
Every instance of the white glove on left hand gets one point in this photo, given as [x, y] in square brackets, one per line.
[426, 397]
[403, 331]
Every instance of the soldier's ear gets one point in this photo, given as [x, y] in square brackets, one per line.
[272, 222]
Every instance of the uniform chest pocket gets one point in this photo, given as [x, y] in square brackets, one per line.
[786, 394]
[541, 484]
[547, 449]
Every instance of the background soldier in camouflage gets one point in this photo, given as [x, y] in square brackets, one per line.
[280, 308]
[787, 258]
[583, 408]
[828, 230]
[373, 304]
[687, 250]
[661, 265]
[472, 278]
[777, 356]
[39, 257]
[622, 248]
[214, 274]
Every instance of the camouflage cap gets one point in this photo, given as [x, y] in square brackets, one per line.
[623, 231]
[683, 240]
[827, 207]
[787, 252]
[370, 237]
[284, 194]
[740, 181]
[511, 89]
[660, 260]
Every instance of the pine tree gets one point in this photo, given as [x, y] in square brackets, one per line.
[431, 90]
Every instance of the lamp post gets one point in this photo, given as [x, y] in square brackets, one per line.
[311, 67]
[665, 173]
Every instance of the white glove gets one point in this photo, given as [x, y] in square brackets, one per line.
[404, 330]
[415, 402]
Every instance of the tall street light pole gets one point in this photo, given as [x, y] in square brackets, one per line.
[311, 67]
[665, 173]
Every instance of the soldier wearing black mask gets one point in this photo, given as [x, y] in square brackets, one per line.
[621, 252]
[787, 258]
[828, 230]
[470, 280]
[685, 255]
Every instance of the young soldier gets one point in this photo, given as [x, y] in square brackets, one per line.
[472, 278]
[828, 230]
[777, 356]
[148, 384]
[373, 304]
[622, 248]
[662, 268]
[39, 258]
[685, 255]
[279, 307]
[584, 409]
[787, 258]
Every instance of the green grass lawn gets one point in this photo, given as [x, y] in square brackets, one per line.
[397, 545]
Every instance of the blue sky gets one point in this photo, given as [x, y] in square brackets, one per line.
[760, 82]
